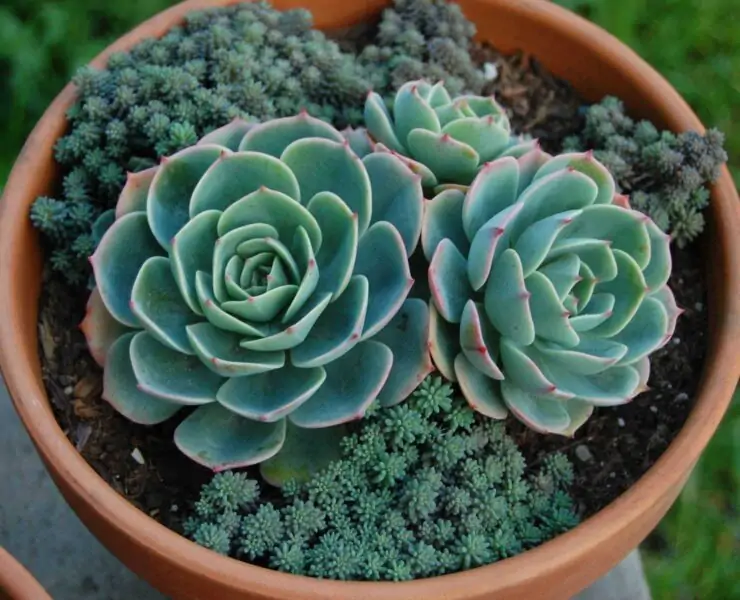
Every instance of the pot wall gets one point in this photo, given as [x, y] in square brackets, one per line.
[16, 583]
[596, 64]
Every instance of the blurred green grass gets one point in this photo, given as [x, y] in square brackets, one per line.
[694, 43]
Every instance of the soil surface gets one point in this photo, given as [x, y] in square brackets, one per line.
[609, 453]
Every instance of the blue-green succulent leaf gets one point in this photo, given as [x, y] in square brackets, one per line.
[507, 300]
[442, 220]
[444, 343]
[220, 351]
[169, 196]
[100, 328]
[397, 196]
[273, 137]
[492, 191]
[337, 330]
[353, 382]
[172, 375]
[272, 395]
[336, 258]
[122, 392]
[125, 247]
[326, 166]
[237, 175]
[219, 439]
[271, 208]
[449, 159]
[480, 341]
[482, 393]
[380, 123]
[294, 334]
[381, 257]
[159, 306]
[448, 281]
[192, 251]
[215, 314]
[304, 454]
[407, 336]
[229, 136]
[544, 415]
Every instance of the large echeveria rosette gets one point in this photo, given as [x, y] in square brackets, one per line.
[548, 291]
[261, 277]
[445, 140]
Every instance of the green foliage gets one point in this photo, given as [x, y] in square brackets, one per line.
[354, 521]
[259, 288]
[43, 43]
[693, 553]
[549, 294]
[422, 39]
[664, 173]
[246, 61]
[692, 43]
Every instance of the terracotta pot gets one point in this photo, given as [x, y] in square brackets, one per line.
[597, 64]
[16, 583]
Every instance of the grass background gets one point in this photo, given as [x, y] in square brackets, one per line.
[695, 43]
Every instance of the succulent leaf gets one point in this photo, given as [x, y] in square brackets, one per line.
[340, 172]
[169, 195]
[397, 196]
[442, 221]
[219, 439]
[229, 136]
[353, 382]
[273, 137]
[444, 343]
[121, 389]
[135, 193]
[482, 393]
[159, 306]
[271, 395]
[381, 257]
[100, 328]
[220, 351]
[172, 375]
[338, 328]
[234, 176]
[304, 453]
[125, 247]
[407, 336]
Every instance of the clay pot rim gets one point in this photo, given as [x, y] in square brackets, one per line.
[16, 582]
[22, 372]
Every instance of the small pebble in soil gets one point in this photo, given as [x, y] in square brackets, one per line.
[620, 422]
[653, 409]
[699, 306]
[68, 390]
[490, 71]
[583, 453]
[138, 456]
[682, 397]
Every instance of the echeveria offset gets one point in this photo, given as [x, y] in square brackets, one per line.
[548, 291]
[260, 276]
[448, 140]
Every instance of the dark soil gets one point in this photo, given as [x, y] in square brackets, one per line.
[609, 453]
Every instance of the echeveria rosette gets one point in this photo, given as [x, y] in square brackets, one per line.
[261, 277]
[548, 291]
[447, 140]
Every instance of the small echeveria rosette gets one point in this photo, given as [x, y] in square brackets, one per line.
[548, 291]
[445, 140]
[260, 277]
